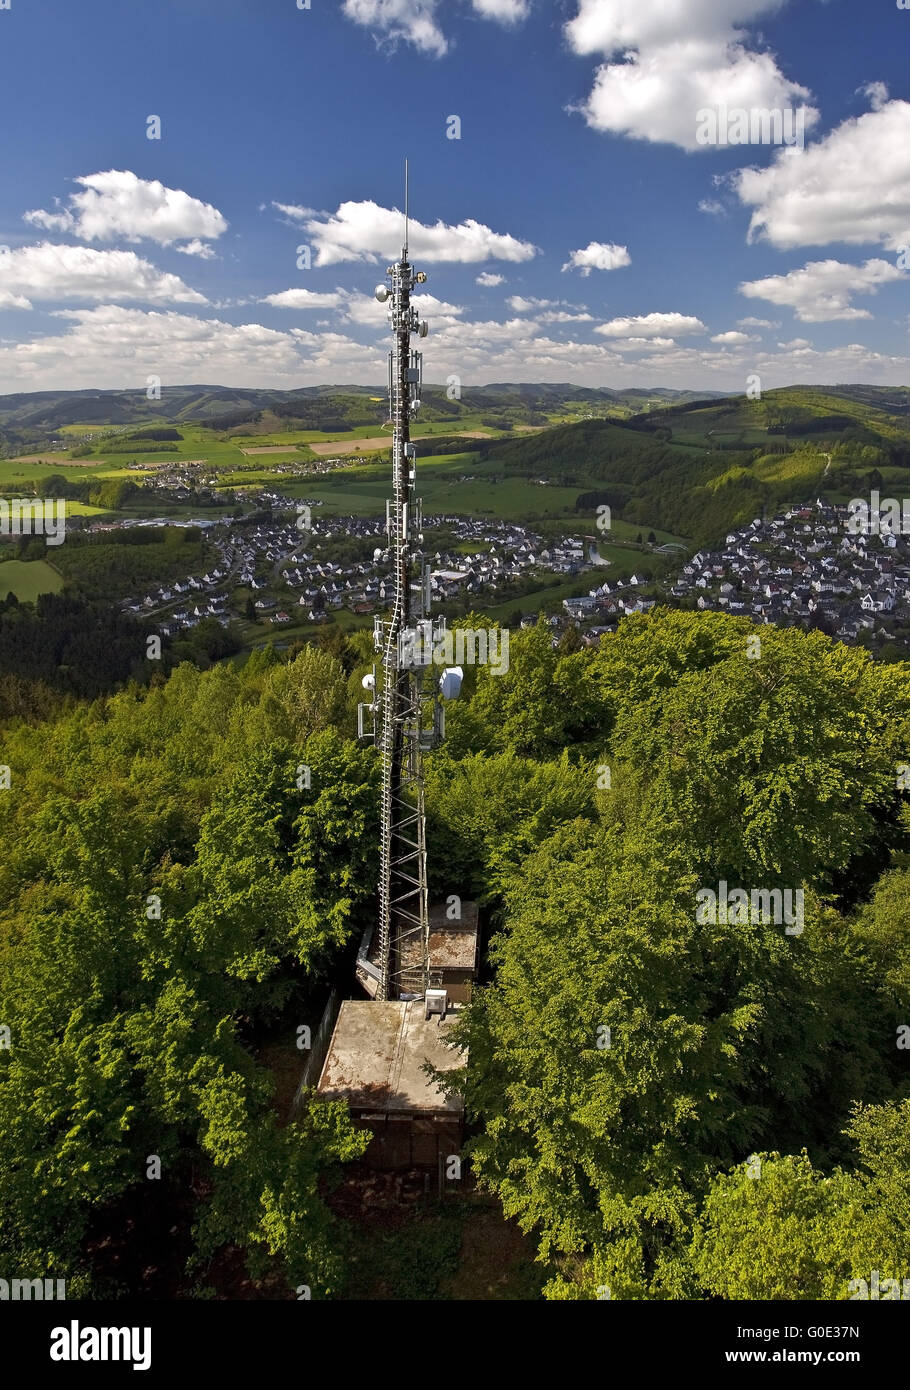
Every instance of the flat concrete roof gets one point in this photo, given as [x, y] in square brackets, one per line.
[451, 948]
[376, 1054]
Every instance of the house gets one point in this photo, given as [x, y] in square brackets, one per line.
[579, 607]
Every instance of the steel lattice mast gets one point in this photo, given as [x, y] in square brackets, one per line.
[406, 720]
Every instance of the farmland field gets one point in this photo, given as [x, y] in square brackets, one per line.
[440, 485]
[27, 579]
[327, 448]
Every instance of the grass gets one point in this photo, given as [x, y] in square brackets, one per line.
[27, 579]
[623, 561]
[259, 634]
[362, 491]
[545, 596]
[85, 509]
[628, 530]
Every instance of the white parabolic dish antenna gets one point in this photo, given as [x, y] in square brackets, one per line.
[450, 682]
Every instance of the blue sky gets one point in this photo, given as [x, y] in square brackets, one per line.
[576, 231]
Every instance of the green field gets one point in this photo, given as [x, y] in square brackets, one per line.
[28, 578]
[362, 491]
[623, 561]
[545, 596]
[629, 530]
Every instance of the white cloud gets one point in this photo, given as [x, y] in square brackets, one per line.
[303, 299]
[877, 93]
[415, 21]
[757, 323]
[110, 346]
[13, 301]
[795, 345]
[118, 204]
[549, 310]
[483, 334]
[712, 207]
[202, 249]
[666, 62]
[642, 344]
[734, 339]
[598, 255]
[293, 211]
[488, 280]
[563, 316]
[606, 26]
[79, 272]
[365, 309]
[651, 326]
[367, 232]
[503, 11]
[524, 306]
[853, 186]
[411, 21]
[114, 346]
[822, 290]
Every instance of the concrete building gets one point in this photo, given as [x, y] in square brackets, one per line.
[375, 1063]
[453, 951]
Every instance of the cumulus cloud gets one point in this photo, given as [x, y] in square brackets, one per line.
[117, 204]
[365, 309]
[303, 299]
[853, 186]
[712, 207]
[202, 249]
[416, 21]
[564, 316]
[56, 272]
[395, 21]
[521, 305]
[549, 310]
[642, 344]
[112, 346]
[651, 326]
[489, 280]
[734, 339]
[664, 63]
[757, 323]
[598, 255]
[877, 92]
[822, 290]
[503, 11]
[367, 232]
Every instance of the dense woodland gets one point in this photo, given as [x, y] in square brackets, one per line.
[668, 469]
[171, 894]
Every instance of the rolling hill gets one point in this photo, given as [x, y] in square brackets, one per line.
[698, 468]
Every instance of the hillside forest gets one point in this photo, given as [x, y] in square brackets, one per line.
[668, 1108]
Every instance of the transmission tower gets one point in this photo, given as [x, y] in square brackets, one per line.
[406, 712]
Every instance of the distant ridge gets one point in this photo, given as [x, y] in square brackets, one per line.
[203, 401]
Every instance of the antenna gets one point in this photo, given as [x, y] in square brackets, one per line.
[404, 711]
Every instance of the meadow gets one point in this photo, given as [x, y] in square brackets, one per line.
[28, 579]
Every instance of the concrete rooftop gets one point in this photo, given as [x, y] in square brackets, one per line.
[452, 948]
[376, 1054]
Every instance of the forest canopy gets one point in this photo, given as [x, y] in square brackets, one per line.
[670, 1107]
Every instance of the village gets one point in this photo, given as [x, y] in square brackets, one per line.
[286, 565]
[807, 566]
